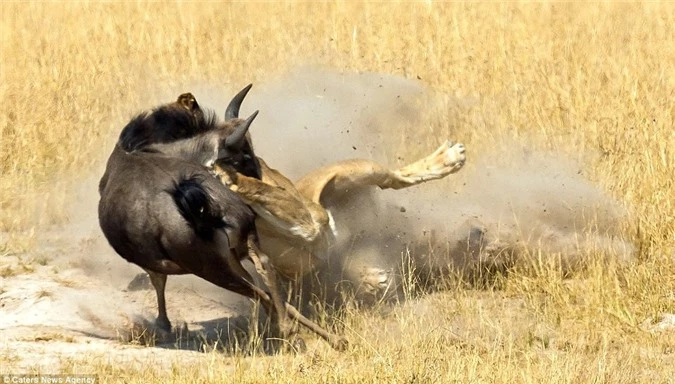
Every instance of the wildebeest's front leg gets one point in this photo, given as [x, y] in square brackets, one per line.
[288, 327]
[238, 280]
[337, 342]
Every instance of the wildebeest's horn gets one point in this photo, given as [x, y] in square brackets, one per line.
[238, 137]
[232, 110]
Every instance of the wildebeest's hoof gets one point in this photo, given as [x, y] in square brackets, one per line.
[163, 324]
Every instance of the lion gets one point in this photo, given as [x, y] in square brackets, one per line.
[295, 221]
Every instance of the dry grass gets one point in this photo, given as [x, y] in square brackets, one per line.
[587, 78]
[51, 337]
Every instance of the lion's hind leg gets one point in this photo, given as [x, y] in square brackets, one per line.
[346, 175]
[448, 158]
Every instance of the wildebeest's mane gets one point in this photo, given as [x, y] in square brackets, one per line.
[165, 124]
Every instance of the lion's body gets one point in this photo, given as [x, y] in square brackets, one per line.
[294, 223]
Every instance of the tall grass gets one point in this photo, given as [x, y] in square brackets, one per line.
[593, 78]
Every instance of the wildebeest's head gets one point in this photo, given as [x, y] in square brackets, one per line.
[237, 151]
[185, 130]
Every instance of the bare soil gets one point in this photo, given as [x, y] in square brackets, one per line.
[79, 304]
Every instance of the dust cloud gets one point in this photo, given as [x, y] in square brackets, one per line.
[311, 117]
[502, 208]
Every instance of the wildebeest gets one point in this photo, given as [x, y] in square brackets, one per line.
[162, 209]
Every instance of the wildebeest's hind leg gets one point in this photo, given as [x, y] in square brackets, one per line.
[288, 327]
[158, 281]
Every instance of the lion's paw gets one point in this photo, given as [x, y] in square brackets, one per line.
[454, 156]
[448, 158]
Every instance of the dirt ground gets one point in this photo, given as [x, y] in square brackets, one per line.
[79, 304]
[70, 301]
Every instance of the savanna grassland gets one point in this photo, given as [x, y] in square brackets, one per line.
[576, 79]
